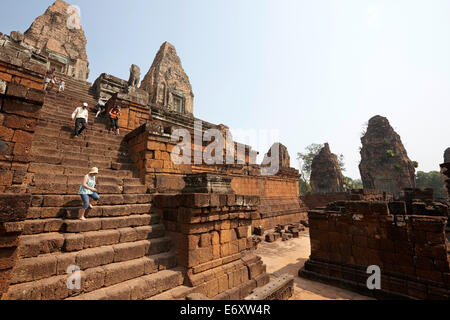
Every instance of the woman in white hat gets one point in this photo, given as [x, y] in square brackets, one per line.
[88, 190]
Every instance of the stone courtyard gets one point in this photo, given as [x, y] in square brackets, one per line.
[219, 227]
[289, 257]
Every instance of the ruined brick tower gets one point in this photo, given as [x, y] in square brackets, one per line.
[384, 161]
[58, 35]
[167, 83]
[326, 175]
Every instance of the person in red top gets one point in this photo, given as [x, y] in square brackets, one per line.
[114, 115]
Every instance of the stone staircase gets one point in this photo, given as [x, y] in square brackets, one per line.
[121, 250]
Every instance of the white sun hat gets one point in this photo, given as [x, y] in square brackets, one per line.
[85, 104]
[94, 170]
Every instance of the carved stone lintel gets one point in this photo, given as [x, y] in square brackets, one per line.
[281, 288]
[208, 183]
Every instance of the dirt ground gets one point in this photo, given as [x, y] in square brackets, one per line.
[289, 257]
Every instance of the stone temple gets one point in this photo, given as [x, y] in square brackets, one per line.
[56, 39]
[175, 230]
[161, 230]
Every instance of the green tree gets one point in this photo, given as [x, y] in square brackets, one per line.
[433, 180]
[304, 186]
[351, 184]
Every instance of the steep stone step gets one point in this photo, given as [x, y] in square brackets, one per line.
[177, 293]
[138, 289]
[70, 201]
[98, 211]
[132, 182]
[66, 133]
[57, 188]
[46, 168]
[72, 189]
[37, 245]
[82, 143]
[66, 162]
[99, 126]
[43, 148]
[38, 226]
[140, 278]
[48, 178]
[74, 95]
[46, 266]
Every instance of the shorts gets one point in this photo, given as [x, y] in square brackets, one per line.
[85, 198]
[48, 80]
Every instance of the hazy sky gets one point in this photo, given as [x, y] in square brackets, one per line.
[313, 71]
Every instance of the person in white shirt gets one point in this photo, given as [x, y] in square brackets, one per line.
[81, 117]
[101, 106]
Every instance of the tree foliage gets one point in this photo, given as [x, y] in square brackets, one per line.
[306, 159]
[304, 186]
[351, 184]
[433, 180]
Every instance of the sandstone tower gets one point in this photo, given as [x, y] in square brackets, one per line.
[58, 35]
[167, 83]
[384, 161]
[447, 156]
[326, 175]
[284, 158]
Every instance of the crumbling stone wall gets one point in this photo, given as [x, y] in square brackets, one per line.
[280, 203]
[385, 164]
[21, 100]
[314, 201]
[326, 175]
[348, 237]
[106, 85]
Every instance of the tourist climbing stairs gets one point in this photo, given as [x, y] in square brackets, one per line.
[121, 251]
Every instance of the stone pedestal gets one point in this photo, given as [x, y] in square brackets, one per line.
[211, 230]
